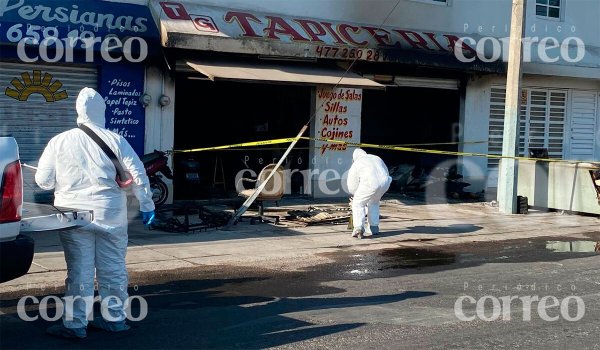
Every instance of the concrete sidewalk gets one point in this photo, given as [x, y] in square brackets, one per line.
[405, 222]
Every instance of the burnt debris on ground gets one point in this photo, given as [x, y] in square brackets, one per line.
[190, 217]
[320, 215]
[442, 181]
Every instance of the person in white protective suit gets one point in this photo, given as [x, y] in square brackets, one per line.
[368, 181]
[83, 177]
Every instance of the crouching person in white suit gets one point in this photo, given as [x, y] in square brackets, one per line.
[368, 181]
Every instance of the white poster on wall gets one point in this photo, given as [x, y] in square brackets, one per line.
[338, 117]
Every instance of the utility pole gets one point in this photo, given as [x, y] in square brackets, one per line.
[507, 174]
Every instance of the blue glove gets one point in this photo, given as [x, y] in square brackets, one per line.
[147, 217]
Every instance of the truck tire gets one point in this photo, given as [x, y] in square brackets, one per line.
[16, 257]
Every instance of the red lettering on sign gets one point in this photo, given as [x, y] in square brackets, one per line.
[452, 39]
[174, 10]
[243, 19]
[331, 34]
[335, 133]
[335, 107]
[278, 25]
[204, 23]
[330, 30]
[352, 95]
[413, 38]
[384, 39]
[343, 29]
[431, 36]
[312, 28]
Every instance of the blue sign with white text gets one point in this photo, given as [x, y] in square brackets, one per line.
[121, 32]
[122, 85]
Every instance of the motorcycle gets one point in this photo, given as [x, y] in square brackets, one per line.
[154, 163]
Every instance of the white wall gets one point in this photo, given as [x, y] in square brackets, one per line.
[475, 129]
[160, 132]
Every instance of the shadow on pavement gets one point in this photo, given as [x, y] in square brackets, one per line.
[204, 314]
[451, 229]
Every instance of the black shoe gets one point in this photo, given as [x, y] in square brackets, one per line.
[374, 230]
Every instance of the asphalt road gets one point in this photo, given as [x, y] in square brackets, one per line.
[392, 299]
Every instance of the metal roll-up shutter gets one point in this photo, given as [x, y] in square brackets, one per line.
[37, 102]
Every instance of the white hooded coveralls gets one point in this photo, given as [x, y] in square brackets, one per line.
[83, 177]
[368, 181]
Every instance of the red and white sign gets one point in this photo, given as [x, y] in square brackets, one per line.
[273, 34]
[337, 118]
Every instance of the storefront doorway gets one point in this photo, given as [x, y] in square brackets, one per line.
[220, 113]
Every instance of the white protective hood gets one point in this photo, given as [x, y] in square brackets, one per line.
[357, 154]
[90, 108]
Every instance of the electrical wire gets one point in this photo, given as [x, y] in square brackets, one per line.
[352, 63]
[258, 190]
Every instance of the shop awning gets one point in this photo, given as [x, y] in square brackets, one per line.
[281, 73]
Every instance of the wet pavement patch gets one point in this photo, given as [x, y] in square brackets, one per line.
[382, 263]
[573, 246]
[410, 258]
[355, 265]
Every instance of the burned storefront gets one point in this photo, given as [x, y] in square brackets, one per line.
[243, 76]
[228, 113]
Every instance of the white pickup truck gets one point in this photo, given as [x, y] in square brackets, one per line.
[17, 217]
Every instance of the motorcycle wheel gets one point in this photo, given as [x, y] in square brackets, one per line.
[160, 191]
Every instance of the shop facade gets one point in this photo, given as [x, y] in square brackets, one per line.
[259, 76]
[217, 75]
[51, 50]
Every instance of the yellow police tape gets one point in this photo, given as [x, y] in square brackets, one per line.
[402, 148]
[451, 153]
[237, 145]
[401, 145]
[235, 148]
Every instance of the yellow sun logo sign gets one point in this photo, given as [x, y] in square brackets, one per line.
[36, 85]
